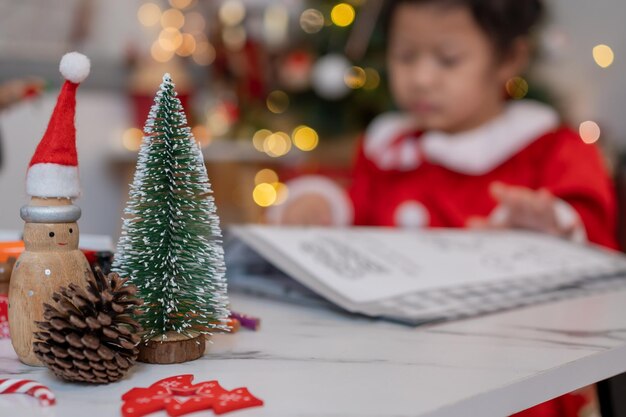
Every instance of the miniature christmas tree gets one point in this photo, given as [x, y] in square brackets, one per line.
[170, 246]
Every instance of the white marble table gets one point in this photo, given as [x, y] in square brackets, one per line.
[312, 362]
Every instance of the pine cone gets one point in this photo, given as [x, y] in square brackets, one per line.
[89, 336]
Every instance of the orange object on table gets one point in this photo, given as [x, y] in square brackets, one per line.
[233, 325]
[14, 250]
[11, 250]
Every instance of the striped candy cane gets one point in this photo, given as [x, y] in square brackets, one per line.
[28, 387]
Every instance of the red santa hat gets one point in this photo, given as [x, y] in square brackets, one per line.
[53, 170]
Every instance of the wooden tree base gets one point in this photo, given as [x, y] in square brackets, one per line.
[175, 348]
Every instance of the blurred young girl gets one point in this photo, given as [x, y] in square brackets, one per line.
[460, 154]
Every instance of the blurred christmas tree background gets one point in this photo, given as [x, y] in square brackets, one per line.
[295, 82]
[272, 88]
[285, 75]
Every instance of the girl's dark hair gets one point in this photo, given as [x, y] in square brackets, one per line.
[502, 20]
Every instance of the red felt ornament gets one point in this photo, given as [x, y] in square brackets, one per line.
[178, 396]
[236, 399]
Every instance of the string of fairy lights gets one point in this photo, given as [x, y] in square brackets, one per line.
[182, 31]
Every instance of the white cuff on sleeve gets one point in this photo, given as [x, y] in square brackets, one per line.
[337, 198]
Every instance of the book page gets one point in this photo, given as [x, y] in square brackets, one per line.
[370, 264]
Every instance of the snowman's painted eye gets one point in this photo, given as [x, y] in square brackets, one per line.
[71, 231]
[51, 234]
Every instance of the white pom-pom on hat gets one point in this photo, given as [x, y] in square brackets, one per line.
[75, 67]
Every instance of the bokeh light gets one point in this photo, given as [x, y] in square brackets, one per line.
[311, 21]
[170, 39]
[131, 139]
[204, 53]
[589, 131]
[282, 193]
[275, 25]
[603, 55]
[355, 77]
[259, 138]
[202, 135]
[372, 79]
[305, 138]
[172, 18]
[159, 54]
[188, 46]
[266, 175]
[194, 23]
[277, 144]
[516, 87]
[219, 124]
[149, 14]
[180, 4]
[342, 14]
[232, 12]
[201, 38]
[277, 101]
[327, 76]
[264, 194]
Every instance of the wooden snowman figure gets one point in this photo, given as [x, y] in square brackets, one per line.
[52, 258]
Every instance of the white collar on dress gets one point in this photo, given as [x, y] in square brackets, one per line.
[474, 152]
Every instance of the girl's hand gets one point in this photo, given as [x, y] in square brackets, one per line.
[307, 210]
[524, 208]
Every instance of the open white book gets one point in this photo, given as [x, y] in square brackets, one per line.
[436, 274]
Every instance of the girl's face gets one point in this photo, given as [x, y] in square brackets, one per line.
[444, 69]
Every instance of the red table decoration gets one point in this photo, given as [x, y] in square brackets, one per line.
[177, 395]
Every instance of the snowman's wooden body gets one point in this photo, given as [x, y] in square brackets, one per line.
[50, 261]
